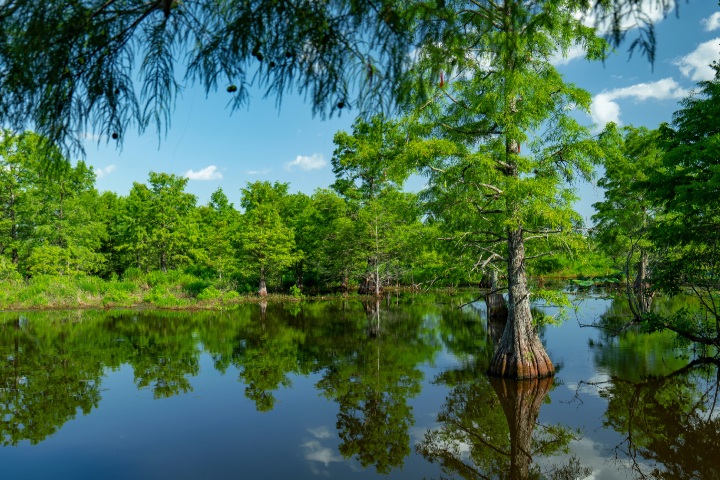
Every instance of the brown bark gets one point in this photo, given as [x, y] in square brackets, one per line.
[262, 291]
[521, 401]
[520, 354]
[497, 310]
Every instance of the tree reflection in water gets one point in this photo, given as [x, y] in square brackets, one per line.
[488, 430]
[372, 382]
[670, 424]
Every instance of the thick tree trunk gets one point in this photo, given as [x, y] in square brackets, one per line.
[521, 401]
[497, 310]
[262, 291]
[520, 354]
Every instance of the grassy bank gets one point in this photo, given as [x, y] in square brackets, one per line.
[174, 290]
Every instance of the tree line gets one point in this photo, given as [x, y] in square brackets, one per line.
[55, 222]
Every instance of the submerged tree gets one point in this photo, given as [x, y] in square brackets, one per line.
[686, 187]
[624, 220]
[485, 80]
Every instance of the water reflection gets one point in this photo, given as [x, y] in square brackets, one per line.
[372, 376]
[670, 424]
[345, 386]
[488, 429]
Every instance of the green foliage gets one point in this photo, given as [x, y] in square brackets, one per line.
[685, 188]
[112, 67]
[209, 293]
[266, 244]
[296, 292]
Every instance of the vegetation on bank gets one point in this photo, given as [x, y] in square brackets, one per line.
[176, 289]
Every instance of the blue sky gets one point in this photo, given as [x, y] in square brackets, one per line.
[215, 148]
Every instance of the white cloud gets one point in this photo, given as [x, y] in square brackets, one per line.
[104, 172]
[573, 53]
[647, 11]
[258, 172]
[696, 65]
[207, 173]
[321, 432]
[712, 23]
[314, 162]
[315, 452]
[650, 11]
[605, 108]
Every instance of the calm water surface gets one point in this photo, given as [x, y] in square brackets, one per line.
[345, 390]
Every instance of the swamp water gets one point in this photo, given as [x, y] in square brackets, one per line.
[344, 390]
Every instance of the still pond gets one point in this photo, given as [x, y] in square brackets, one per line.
[346, 390]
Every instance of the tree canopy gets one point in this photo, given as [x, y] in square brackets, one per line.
[107, 66]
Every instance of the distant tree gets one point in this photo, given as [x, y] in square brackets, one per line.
[266, 244]
[685, 187]
[68, 233]
[219, 223]
[47, 218]
[624, 220]
[329, 235]
[370, 166]
[159, 225]
[18, 180]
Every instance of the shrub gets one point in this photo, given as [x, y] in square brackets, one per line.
[231, 295]
[133, 274]
[209, 293]
[195, 288]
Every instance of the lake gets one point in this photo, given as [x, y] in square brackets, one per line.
[346, 389]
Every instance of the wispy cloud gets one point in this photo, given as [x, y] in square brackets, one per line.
[712, 23]
[573, 53]
[650, 11]
[207, 173]
[258, 172]
[104, 172]
[314, 162]
[646, 10]
[605, 108]
[696, 65]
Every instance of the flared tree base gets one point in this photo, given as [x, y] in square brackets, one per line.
[521, 360]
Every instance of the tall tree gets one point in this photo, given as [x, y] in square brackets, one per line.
[219, 222]
[686, 185]
[18, 179]
[485, 80]
[370, 166]
[624, 219]
[47, 217]
[267, 245]
[160, 225]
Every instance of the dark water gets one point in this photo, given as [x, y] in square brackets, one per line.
[345, 390]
